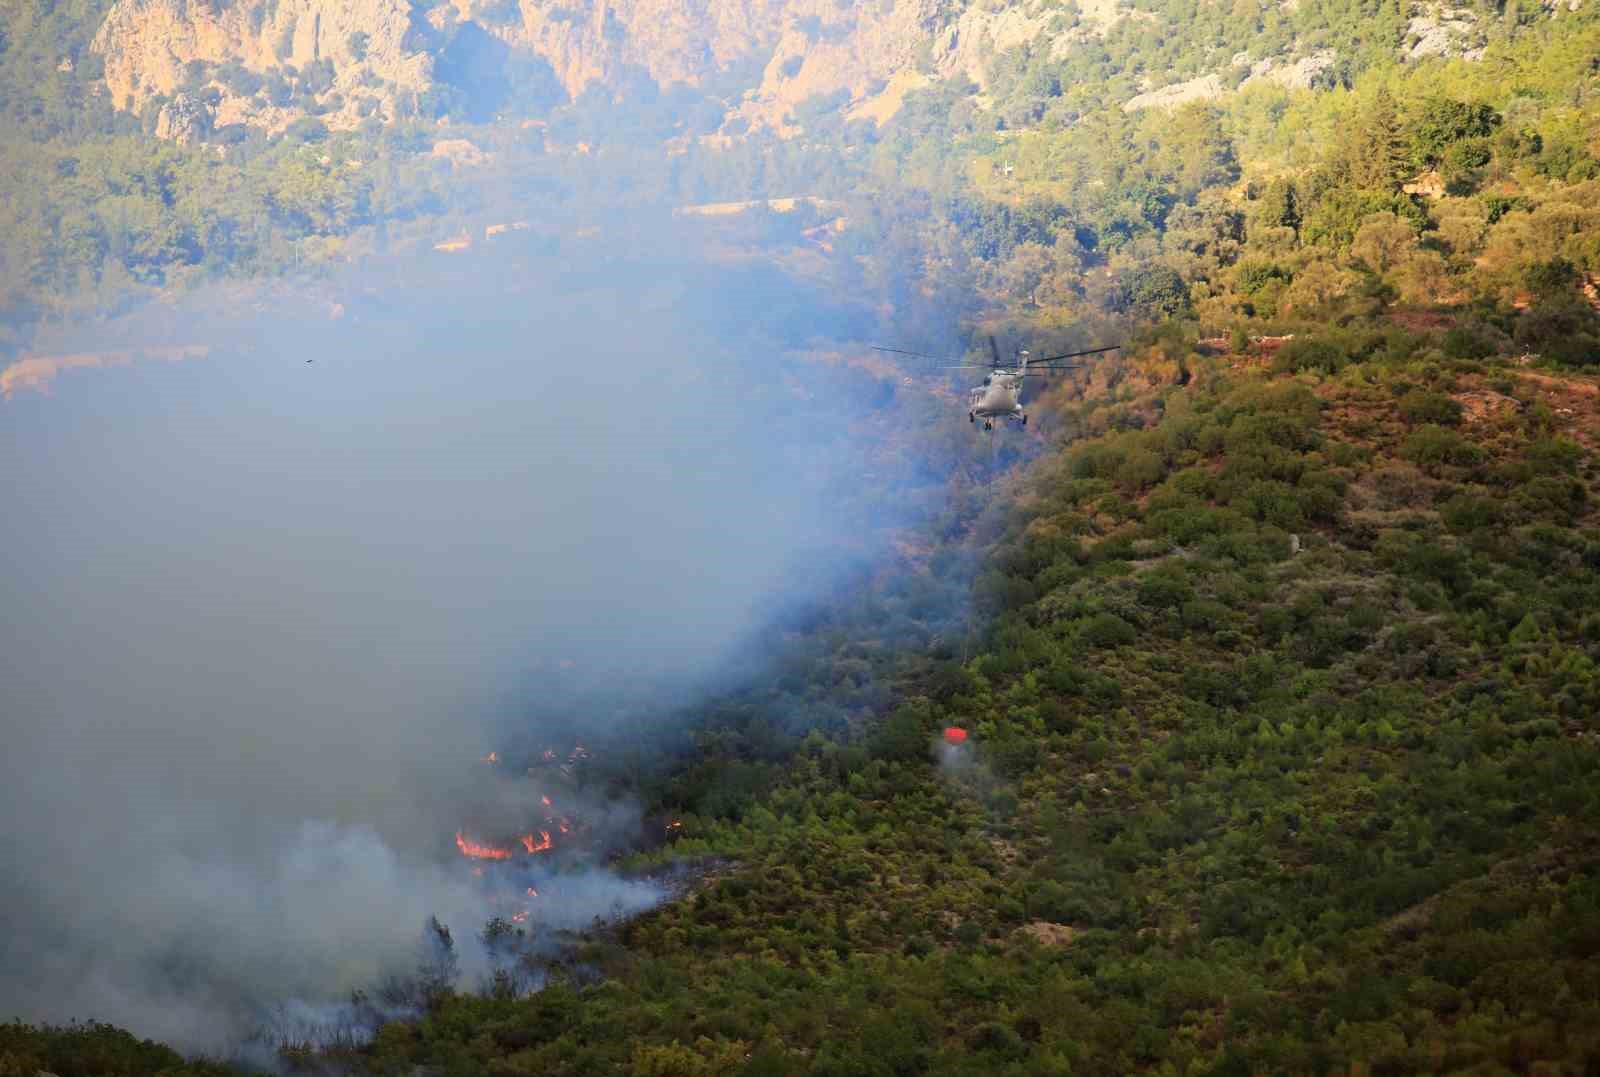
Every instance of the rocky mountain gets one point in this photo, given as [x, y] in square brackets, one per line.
[365, 52]
[208, 64]
[205, 66]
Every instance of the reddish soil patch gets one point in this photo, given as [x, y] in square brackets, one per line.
[1421, 321]
[1575, 402]
[1481, 405]
[1047, 933]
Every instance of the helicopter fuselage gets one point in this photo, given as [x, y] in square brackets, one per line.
[997, 397]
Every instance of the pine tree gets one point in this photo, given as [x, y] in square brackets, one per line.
[1377, 158]
[1279, 205]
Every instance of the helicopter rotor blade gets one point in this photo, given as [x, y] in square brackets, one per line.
[1032, 368]
[994, 350]
[903, 351]
[1074, 355]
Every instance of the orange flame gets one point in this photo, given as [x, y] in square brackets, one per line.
[480, 852]
[492, 757]
[537, 846]
[532, 892]
[546, 801]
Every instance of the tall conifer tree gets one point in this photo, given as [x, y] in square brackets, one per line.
[1378, 150]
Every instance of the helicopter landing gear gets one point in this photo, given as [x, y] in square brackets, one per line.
[971, 418]
[1024, 418]
[987, 425]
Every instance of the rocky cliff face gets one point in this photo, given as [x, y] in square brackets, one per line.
[211, 63]
[964, 46]
[369, 46]
[674, 40]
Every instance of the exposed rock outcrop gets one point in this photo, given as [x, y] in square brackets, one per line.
[371, 46]
[1442, 31]
[460, 153]
[1306, 73]
[849, 54]
[1204, 88]
[964, 47]
[184, 119]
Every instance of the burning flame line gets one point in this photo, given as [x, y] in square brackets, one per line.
[537, 846]
[481, 852]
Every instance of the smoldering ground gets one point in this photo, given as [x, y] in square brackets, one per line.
[262, 617]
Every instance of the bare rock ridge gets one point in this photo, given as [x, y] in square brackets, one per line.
[212, 64]
[368, 44]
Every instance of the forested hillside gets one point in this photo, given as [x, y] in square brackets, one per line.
[1038, 184]
[1278, 661]
[1285, 761]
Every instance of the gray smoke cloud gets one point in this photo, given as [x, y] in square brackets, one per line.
[261, 617]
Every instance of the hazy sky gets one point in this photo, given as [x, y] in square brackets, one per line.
[261, 616]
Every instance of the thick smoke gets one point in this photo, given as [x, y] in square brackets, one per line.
[263, 617]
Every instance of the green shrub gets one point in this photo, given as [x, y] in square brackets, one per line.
[1204, 614]
[1433, 446]
[1441, 125]
[1469, 155]
[1251, 277]
[1470, 341]
[1552, 497]
[1496, 206]
[1422, 406]
[1106, 630]
[1466, 513]
[1567, 331]
[1555, 456]
[1164, 590]
[1153, 292]
[1311, 354]
[306, 129]
[1141, 470]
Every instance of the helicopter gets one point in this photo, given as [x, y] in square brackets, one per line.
[1000, 395]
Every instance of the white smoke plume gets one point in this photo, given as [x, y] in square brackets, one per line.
[262, 618]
